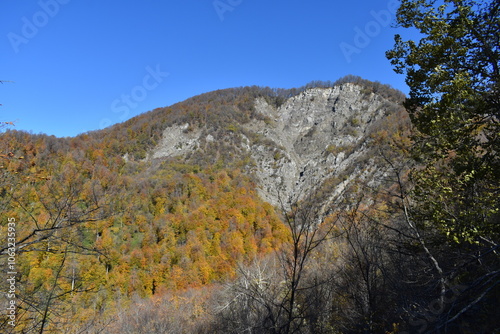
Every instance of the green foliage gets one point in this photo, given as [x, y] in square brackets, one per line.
[334, 149]
[453, 75]
[354, 121]
[453, 206]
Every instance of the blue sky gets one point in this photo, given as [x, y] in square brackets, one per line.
[79, 66]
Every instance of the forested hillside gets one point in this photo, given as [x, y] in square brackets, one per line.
[101, 224]
[94, 229]
[337, 207]
[111, 239]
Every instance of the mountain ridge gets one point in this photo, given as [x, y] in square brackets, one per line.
[181, 197]
[310, 136]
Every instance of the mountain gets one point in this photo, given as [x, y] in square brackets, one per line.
[181, 200]
[319, 134]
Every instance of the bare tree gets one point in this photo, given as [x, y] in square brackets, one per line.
[308, 231]
[281, 293]
[4, 123]
[52, 217]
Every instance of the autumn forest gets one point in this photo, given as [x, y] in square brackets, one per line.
[403, 238]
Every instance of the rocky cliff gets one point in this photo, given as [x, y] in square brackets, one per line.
[294, 147]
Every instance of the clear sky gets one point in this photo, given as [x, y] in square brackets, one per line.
[78, 66]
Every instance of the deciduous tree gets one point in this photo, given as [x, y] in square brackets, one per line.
[454, 77]
[453, 73]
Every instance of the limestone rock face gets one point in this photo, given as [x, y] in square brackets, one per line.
[176, 141]
[316, 135]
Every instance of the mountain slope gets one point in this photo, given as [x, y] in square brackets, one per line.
[293, 147]
[176, 198]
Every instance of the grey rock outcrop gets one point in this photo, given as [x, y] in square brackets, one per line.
[319, 134]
